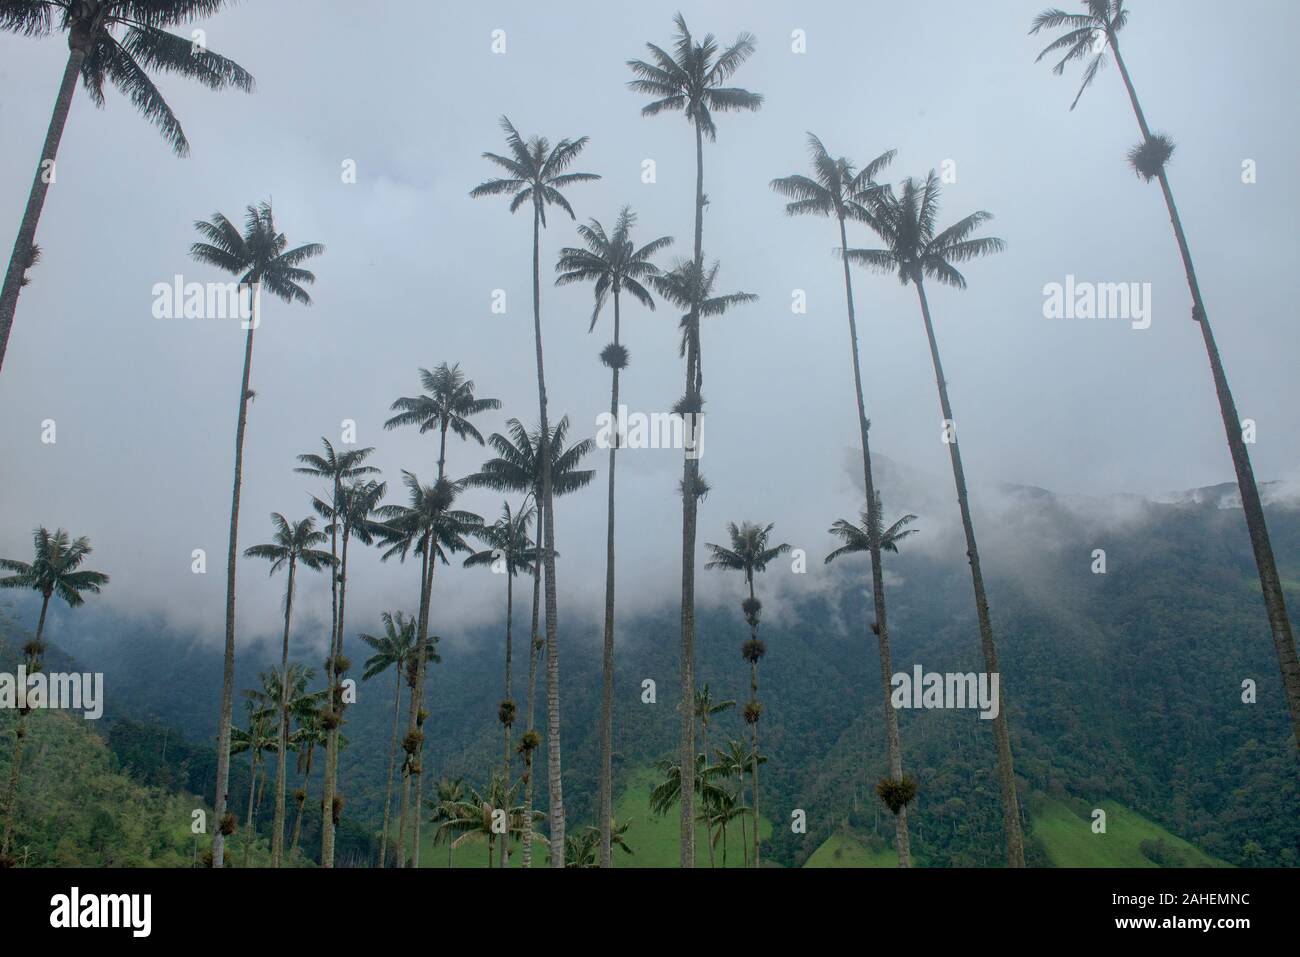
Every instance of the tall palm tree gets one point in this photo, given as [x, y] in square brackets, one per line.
[734, 759]
[749, 553]
[838, 189]
[612, 263]
[1104, 19]
[915, 250]
[293, 544]
[691, 79]
[258, 738]
[430, 526]
[509, 552]
[536, 171]
[872, 537]
[352, 514]
[55, 569]
[311, 733]
[706, 708]
[517, 467]
[395, 648]
[446, 405]
[262, 259]
[121, 41]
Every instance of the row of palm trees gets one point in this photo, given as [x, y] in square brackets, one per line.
[121, 40]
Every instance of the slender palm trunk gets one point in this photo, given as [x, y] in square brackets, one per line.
[704, 744]
[532, 685]
[306, 793]
[228, 666]
[510, 609]
[410, 768]
[249, 833]
[20, 734]
[1001, 734]
[607, 670]
[902, 839]
[277, 834]
[336, 704]
[1279, 621]
[753, 728]
[744, 833]
[690, 504]
[418, 769]
[553, 773]
[392, 760]
[20, 258]
[331, 681]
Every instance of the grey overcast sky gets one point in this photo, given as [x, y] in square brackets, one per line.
[411, 92]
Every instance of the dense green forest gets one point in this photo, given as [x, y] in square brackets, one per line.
[1127, 694]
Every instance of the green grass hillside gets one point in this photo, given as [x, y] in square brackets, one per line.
[845, 850]
[1070, 841]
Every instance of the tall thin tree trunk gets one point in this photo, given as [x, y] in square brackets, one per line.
[306, 793]
[532, 684]
[1001, 734]
[249, 832]
[228, 665]
[418, 770]
[336, 704]
[505, 728]
[413, 707]
[744, 834]
[753, 695]
[277, 833]
[1270, 584]
[20, 733]
[392, 760]
[690, 505]
[704, 743]
[20, 258]
[553, 771]
[902, 838]
[607, 664]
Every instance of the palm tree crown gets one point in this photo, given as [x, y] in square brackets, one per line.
[857, 538]
[906, 223]
[1085, 34]
[537, 171]
[126, 40]
[260, 255]
[749, 551]
[691, 78]
[836, 188]
[447, 404]
[517, 465]
[293, 541]
[54, 568]
[611, 261]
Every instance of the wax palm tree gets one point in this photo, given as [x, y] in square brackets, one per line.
[352, 513]
[536, 173]
[706, 708]
[509, 552]
[448, 794]
[474, 819]
[915, 250]
[691, 287]
[734, 759]
[691, 79]
[749, 553]
[447, 403]
[1092, 32]
[517, 468]
[121, 41]
[293, 545]
[612, 263]
[393, 649]
[55, 569]
[258, 738]
[668, 789]
[310, 734]
[858, 537]
[838, 189]
[431, 527]
[262, 259]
